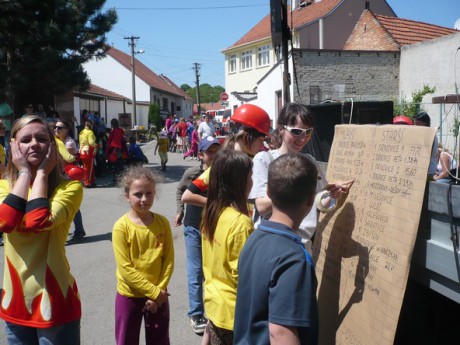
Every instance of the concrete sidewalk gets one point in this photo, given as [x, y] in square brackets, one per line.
[93, 265]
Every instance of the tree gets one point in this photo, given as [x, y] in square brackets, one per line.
[154, 115]
[43, 45]
[208, 93]
[412, 108]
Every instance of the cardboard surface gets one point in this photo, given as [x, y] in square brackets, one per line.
[363, 249]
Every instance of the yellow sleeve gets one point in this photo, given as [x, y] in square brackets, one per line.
[168, 257]
[2, 155]
[125, 264]
[92, 139]
[65, 201]
[237, 239]
[65, 154]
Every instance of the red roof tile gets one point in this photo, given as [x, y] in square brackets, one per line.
[100, 91]
[146, 74]
[300, 17]
[405, 31]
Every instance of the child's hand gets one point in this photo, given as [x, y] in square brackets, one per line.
[162, 297]
[178, 219]
[151, 306]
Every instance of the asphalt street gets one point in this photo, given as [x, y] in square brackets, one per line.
[93, 264]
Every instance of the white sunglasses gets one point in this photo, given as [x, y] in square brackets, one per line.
[297, 132]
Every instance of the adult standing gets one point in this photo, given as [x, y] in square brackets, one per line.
[295, 129]
[40, 300]
[63, 130]
[87, 141]
[424, 120]
[206, 128]
[115, 147]
[182, 136]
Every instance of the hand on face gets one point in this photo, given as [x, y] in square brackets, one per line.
[19, 159]
[50, 160]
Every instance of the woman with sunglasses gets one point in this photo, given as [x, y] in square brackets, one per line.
[63, 132]
[294, 131]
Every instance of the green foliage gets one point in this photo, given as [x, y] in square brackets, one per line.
[185, 87]
[412, 108]
[154, 115]
[208, 93]
[43, 45]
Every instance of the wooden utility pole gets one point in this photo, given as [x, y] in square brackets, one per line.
[133, 72]
[197, 76]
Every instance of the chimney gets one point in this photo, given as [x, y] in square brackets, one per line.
[366, 5]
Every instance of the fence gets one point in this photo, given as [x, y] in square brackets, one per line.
[446, 118]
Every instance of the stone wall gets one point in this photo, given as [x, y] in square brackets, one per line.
[340, 75]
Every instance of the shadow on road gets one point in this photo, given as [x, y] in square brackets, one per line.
[90, 239]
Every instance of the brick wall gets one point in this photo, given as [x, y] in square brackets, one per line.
[363, 76]
[369, 34]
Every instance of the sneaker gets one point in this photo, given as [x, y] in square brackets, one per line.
[77, 237]
[198, 323]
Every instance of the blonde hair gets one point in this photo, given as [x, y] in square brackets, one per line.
[136, 172]
[55, 177]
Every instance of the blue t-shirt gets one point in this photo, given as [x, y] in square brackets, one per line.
[276, 284]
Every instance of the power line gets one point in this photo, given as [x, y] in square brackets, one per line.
[184, 8]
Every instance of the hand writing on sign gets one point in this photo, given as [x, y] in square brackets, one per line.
[337, 189]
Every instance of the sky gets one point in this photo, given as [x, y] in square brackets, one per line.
[176, 34]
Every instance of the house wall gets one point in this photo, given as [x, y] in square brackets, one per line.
[369, 34]
[434, 63]
[339, 24]
[111, 75]
[363, 76]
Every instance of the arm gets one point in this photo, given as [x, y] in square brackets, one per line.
[181, 188]
[283, 335]
[259, 189]
[264, 206]
[195, 199]
[444, 160]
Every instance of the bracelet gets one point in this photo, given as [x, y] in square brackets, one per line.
[25, 172]
[323, 195]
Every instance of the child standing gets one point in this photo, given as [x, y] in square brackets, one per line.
[144, 254]
[226, 226]
[278, 304]
[162, 147]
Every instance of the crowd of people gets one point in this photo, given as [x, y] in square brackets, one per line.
[251, 205]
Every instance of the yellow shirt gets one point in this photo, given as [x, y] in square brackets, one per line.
[65, 154]
[220, 266]
[163, 144]
[144, 256]
[86, 139]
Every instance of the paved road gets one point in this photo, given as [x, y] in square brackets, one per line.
[93, 265]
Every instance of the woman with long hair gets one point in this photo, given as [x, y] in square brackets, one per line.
[40, 297]
[226, 226]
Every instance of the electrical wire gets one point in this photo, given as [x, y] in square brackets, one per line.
[184, 8]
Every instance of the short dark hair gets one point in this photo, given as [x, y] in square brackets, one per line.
[424, 117]
[290, 112]
[292, 178]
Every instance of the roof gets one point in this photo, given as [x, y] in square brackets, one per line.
[300, 17]
[147, 75]
[100, 91]
[208, 106]
[405, 31]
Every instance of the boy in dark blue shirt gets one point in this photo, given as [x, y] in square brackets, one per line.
[276, 296]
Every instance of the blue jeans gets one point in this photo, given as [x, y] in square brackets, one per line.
[194, 270]
[78, 222]
[66, 334]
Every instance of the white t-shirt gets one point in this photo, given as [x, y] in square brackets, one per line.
[206, 129]
[259, 190]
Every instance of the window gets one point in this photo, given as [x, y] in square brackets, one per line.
[263, 56]
[232, 64]
[246, 60]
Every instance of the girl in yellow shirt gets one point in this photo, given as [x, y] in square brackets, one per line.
[144, 254]
[226, 226]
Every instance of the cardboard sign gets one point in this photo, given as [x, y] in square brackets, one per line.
[363, 249]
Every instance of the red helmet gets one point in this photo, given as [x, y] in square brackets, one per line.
[402, 120]
[74, 172]
[252, 116]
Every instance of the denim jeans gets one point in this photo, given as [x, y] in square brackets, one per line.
[78, 222]
[194, 270]
[68, 334]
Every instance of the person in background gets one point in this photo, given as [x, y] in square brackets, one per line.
[424, 120]
[446, 163]
[192, 235]
[225, 228]
[87, 141]
[278, 304]
[64, 134]
[206, 128]
[162, 147]
[135, 154]
[182, 136]
[172, 135]
[115, 148]
[40, 299]
[193, 151]
[144, 254]
[2, 133]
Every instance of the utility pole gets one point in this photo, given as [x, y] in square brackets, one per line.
[197, 76]
[286, 36]
[132, 44]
